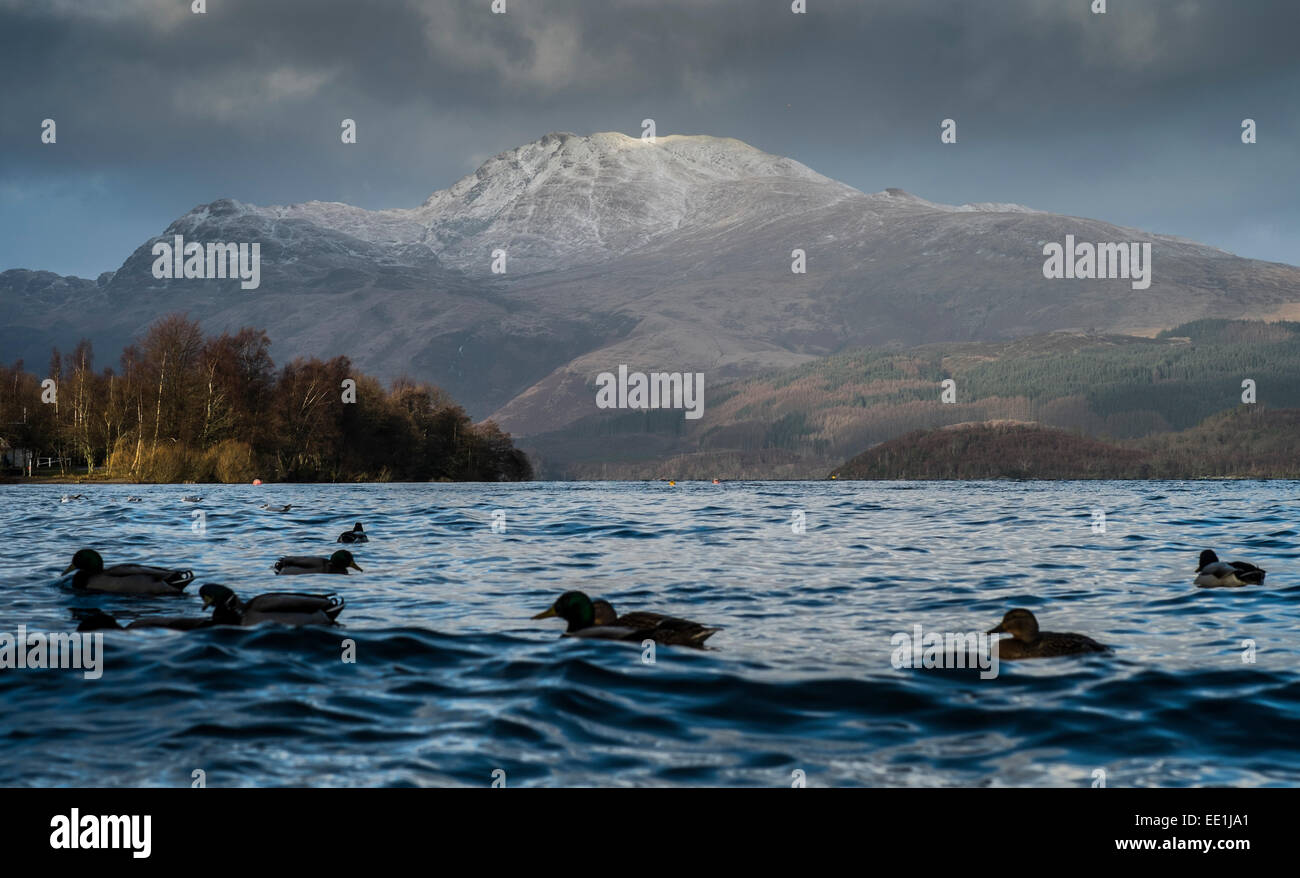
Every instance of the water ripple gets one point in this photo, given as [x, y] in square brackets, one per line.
[453, 681]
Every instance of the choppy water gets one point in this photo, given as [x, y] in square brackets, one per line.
[453, 681]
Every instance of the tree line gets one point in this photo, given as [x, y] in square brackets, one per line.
[1247, 442]
[183, 406]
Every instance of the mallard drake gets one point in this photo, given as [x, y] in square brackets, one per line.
[339, 562]
[191, 498]
[356, 535]
[598, 619]
[269, 508]
[95, 619]
[1027, 641]
[91, 575]
[286, 608]
[68, 498]
[1213, 573]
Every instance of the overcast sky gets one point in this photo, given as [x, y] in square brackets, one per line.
[1133, 116]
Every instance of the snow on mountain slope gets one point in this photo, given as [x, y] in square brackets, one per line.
[566, 200]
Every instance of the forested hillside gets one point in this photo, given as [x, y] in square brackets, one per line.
[803, 421]
[1247, 443]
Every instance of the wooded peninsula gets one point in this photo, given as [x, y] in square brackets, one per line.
[183, 406]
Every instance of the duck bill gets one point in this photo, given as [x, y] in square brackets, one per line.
[207, 602]
[357, 567]
[547, 613]
[69, 569]
[997, 630]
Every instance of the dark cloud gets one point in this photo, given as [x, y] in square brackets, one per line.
[1132, 116]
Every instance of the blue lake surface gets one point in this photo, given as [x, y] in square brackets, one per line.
[452, 680]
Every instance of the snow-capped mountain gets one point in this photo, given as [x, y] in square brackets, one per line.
[566, 200]
[674, 255]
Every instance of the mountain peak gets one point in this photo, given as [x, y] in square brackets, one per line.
[567, 198]
[562, 153]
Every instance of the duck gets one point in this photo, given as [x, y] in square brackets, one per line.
[269, 508]
[134, 499]
[191, 498]
[68, 498]
[356, 535]
[285, 608]
[1027, 641]
[339, 562]
[597, 619]
[1213, 573]
[92, 575]
[95, 619]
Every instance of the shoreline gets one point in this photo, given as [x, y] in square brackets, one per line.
[93, 482]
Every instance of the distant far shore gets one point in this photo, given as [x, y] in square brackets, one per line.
[95, 480]
[845, 477]
[1235, 446]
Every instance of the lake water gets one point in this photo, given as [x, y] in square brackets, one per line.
[452, 680]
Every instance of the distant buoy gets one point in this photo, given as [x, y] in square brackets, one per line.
[257, 481]
[716, 482]
[671, 483]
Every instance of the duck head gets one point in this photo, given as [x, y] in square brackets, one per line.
[1020, 624]
[1207, 558]
[343, 559]
[356, 528]
[573, 607]
[224, 602]
[605, 614]
[87, 560]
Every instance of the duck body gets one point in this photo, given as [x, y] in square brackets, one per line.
[608, 632]
[283, 608]
[91, 575]
[657, 626]
[296, 565]
[598, 620]
[356, 535]
[1213, 573]
[1048, 645]
[1027, 642]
